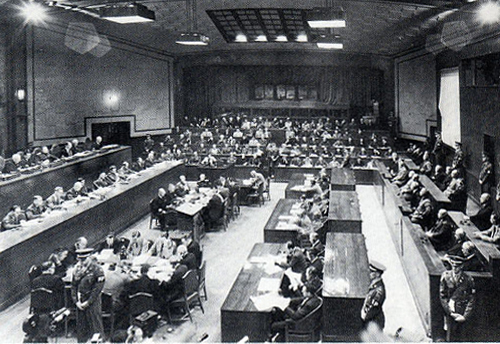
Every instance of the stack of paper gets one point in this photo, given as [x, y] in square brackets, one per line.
[268, 285]
[268, 301]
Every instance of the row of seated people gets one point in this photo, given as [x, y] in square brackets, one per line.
[87, 274]
[244, 122]
[40, 157]
[17, 216]
[226, 196]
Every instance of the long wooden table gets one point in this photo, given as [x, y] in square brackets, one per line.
[344, 214]
[296, 188]
[346, 280]
[239, 316]
[277, 230]
[93, 218]
[439, 197]
[192, 207]
[342, 179]
[21, 190]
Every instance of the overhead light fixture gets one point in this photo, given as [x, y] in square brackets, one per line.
[302, 38]
[324, 17]
[241, 38]
[33, 12]
[281, 38]
[192, 38]
[261, 38]
[128, 14]
[488, 12]
[330, 42]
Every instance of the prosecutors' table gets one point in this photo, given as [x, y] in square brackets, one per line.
[20, 190]
[93, 218]
[239, 315]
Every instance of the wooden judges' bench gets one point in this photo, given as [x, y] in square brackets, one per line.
[20, 190]
[93, 218]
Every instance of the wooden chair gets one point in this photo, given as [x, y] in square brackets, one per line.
[256, 197]
[69, 304]
[190, 296]
[236, 205]
[108, 311]
[306, 329]
[202, 280]
[138, 303]
[42, 301]
[224, 219]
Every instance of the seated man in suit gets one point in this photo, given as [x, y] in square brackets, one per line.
[36, 209]
[203, 182]
[258, 180]
[295, 260]
[456, 191]
[193, 247]
[482, 218]
[441, 234]
[14, 218]
[317, 247]
[424, 213]
[172, 289]
[112, 243]
[76, 191]
[138, 165]
[163, 247]
[160, 206]
[48, 280]
[140, 283]
[137, 245]
[182, 187]
[13, 165]
[55, 200]
[102, 181]
[214, 210]
[298, 309]
[97, 144]
[439, 177]
[493, 233]
[186, 258]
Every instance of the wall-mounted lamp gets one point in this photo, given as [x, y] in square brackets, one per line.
[112, 100]
[21, 94]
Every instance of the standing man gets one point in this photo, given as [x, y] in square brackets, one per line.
[86, 287]
[486, 175]
[457, 295]
[372, 307]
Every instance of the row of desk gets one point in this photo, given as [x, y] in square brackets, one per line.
[345, 276]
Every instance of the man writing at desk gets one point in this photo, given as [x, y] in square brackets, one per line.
[35, 209]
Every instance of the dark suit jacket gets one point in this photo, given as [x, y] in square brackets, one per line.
[300, 307]
[144, 284]
[189, 261]
[53, 283]
[159, 203]
[482, 218]
[215, 208]
[195, 249]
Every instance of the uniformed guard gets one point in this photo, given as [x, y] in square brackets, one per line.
[486, 174]
[86, 287]
[457, 295]
[372, 307]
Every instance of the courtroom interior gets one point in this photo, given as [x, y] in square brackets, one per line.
[249, 171]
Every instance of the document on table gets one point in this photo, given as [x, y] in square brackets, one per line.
[268, 285]
[267, 301]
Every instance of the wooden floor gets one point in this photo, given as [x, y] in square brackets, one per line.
[225, 253]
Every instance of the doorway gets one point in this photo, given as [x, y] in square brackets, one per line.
[112, 133]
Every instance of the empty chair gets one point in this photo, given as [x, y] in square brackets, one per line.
[306, 329]
[256, 197]
[190, 296]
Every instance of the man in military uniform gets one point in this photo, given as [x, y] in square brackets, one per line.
[458, 158]
[486, 175]
[86, 287]
[372, 307]
[457, 294]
